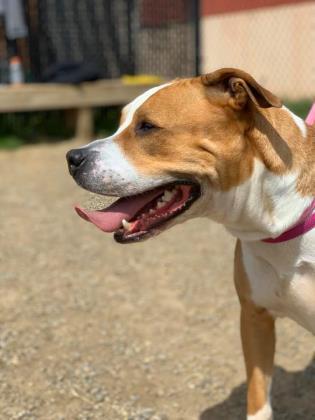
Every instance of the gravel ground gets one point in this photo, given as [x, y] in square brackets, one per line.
[91, 329]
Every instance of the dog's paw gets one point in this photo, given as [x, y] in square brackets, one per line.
[264, 413]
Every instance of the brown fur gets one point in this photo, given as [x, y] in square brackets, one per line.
[197, 135]
[258, 339]
[203, 135]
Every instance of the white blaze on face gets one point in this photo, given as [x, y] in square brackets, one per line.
[112, 171]
[131, 108]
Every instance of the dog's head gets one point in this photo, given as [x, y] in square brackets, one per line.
[176, 145]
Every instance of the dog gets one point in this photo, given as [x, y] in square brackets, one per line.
[219, 146]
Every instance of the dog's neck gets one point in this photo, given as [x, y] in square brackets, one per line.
[281, 186]
[264, 206]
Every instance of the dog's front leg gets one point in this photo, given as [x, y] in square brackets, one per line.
[258, 340]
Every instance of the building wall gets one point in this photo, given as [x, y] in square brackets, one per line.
[275, 44]
[211, 7]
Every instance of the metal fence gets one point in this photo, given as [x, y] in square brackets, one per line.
[109, 38]
[272, 39]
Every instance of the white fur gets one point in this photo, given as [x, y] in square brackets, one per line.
[282, 277]
[264, 413]
[298, 121]
[242, 208]
[116, 175]
[113, 173]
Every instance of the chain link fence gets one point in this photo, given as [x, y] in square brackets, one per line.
[273, 40]
[89, 39]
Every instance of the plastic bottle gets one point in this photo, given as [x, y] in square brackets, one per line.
[16, 70]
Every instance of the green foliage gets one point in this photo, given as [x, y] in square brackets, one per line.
[10, 142]
[106, 120]
[31, 127]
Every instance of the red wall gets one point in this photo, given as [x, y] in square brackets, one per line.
[212, 7]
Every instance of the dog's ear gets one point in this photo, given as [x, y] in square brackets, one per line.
[241, 86]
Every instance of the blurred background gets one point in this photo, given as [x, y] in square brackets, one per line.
[90, 329]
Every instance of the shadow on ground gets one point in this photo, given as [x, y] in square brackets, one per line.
[293, 397]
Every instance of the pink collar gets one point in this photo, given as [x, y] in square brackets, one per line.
[307, 220]
[306, 223]
[310, 119]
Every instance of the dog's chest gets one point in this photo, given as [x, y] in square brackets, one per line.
[282, 278]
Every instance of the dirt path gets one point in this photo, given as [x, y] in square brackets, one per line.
[95, 330]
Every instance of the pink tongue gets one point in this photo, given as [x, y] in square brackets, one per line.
[110, 218]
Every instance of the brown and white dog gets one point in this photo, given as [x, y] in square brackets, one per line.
[223, 147]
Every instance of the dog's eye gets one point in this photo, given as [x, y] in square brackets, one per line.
[145, 127]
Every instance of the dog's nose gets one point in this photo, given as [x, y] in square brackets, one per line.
[75, 158]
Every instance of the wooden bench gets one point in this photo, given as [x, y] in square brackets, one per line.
[81, 98]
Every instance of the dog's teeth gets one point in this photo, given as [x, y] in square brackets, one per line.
[167, 196]
[160, 204]
[125, 224]
[151, 211]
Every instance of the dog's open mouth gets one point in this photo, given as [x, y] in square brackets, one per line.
[136, 217]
